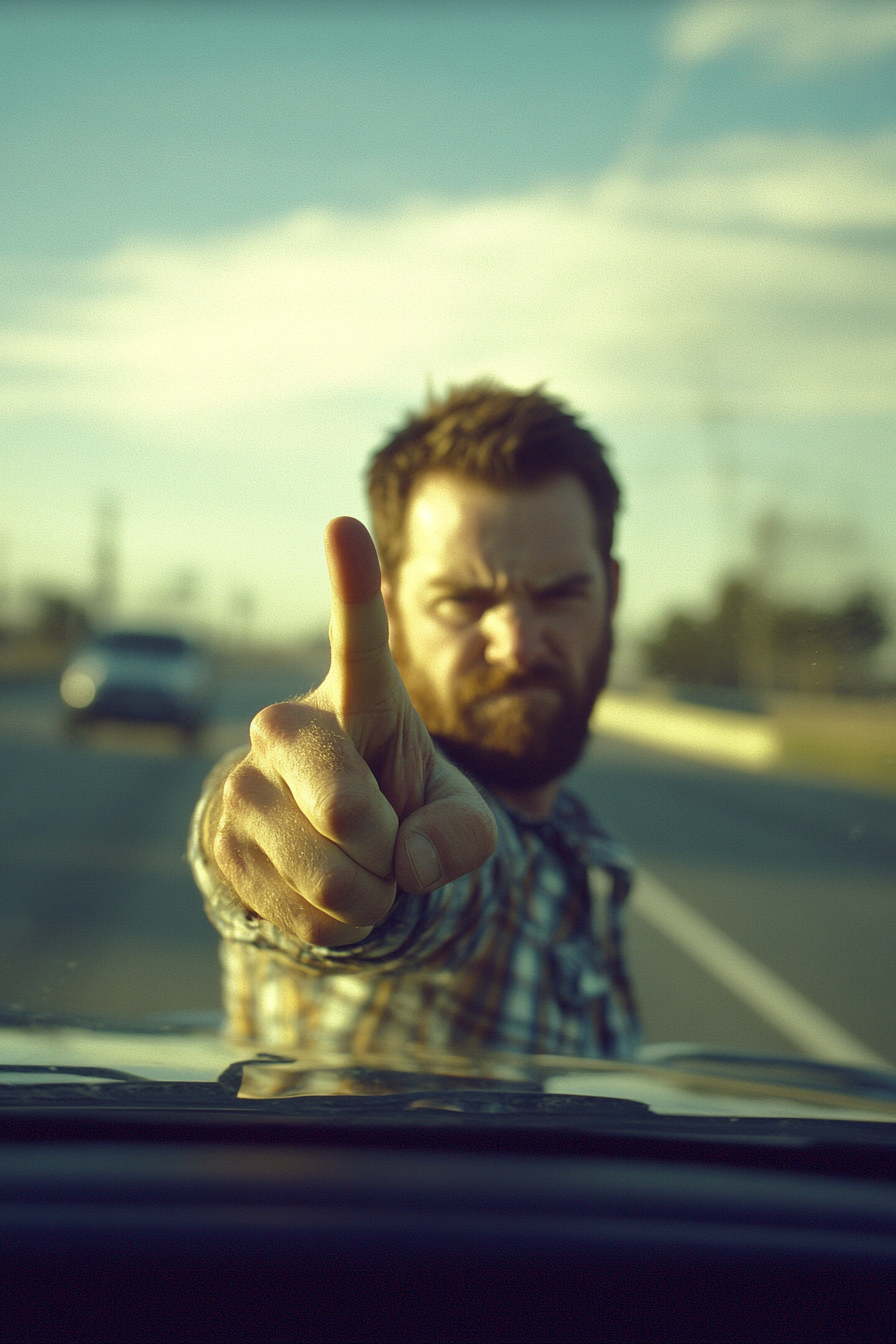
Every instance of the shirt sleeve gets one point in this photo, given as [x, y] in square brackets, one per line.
[441, 929]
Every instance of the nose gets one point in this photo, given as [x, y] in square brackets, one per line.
[513, 635]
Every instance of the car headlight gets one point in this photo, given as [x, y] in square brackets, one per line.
[78, 687]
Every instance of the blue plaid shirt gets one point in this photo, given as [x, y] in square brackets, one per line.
[523, 955]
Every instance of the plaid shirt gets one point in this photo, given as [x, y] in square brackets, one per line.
[523, 955]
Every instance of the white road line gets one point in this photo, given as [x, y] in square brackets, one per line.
[782, 1006]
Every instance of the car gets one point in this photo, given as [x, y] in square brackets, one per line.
[138, 676]
[158, 1186]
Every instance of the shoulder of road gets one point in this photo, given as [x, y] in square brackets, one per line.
[828, 737]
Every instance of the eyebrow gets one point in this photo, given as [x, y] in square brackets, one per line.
[460, 589]
[576, 580]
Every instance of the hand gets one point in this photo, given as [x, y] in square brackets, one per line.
[342, 793]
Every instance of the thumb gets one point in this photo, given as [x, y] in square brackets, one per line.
[450, 835]
[363, 680]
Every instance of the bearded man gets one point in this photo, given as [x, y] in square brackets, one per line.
[394, 864]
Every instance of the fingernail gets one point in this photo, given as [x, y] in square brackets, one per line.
[423, 859]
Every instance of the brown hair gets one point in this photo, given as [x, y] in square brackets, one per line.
[488, 433]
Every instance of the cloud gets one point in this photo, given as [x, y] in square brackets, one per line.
[744, 270]
[806, 182]
[792, 34]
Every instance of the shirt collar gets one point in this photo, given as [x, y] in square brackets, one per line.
[571, 827]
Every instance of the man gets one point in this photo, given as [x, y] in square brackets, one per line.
[370, 897]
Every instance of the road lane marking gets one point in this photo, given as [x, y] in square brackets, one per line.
[778, 1003]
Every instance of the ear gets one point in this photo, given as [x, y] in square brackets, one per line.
[613, 580]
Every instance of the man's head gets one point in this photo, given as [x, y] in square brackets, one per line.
[489, 433]
[493, 513]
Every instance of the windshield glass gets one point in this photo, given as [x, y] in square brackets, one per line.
[136, 641]
[241, 245]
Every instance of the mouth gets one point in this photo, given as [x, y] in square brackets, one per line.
[533, 694]
[530, 690]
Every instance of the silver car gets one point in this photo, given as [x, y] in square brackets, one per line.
[138, 676]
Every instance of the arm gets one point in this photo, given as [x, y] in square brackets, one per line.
[342, 797]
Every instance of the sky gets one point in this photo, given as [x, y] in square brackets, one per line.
[238, 242]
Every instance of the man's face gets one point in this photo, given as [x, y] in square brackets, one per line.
[500, 623]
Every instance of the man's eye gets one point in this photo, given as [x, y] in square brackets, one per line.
[461, 607]
[573, 593]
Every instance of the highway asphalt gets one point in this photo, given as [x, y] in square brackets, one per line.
[99, 915]
[800, 875]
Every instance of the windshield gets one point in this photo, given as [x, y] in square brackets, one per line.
[137, 642]
[240, 244]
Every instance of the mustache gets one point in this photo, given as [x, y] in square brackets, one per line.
[484, 681]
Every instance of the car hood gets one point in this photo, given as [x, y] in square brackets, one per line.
[52, 1063]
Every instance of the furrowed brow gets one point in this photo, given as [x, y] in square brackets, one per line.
[460, 589]
[581, 579]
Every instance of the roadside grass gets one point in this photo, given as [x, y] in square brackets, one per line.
[31, 660]
[833, 738]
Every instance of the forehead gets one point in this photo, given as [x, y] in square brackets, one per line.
[465, 529]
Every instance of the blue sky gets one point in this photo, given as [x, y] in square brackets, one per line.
[238, 240]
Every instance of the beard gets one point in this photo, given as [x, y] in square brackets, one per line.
[509, 729]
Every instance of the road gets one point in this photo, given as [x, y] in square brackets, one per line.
[99, 915]
[802, 876]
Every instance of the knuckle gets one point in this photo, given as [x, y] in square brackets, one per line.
[336, 885]
[240, 787]
[349, 893]
[340, 806]
[319, 930]
[229, 854]
[310, 925]
[273, 726]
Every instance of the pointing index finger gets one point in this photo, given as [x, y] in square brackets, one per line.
[352, 561]
[360, 661]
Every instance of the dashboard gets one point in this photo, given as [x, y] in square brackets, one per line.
[353, 1225]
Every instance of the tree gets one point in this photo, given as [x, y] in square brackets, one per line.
[752, 642]
[58, 620]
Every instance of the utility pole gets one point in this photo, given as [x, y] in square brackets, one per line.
[756, 654]
[244, 605]
[5, 588]
[106, 559]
